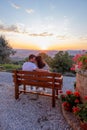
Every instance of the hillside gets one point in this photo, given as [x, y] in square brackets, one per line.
[22, 53]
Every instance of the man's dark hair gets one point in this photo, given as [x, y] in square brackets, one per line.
[31, 56]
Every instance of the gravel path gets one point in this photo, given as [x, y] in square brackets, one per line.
[28, 114]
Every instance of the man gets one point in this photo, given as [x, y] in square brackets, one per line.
[30, 65]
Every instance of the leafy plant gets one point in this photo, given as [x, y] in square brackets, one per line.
[70, 99]
[81, 111]
[80, 62]
[83, 60]
[62, 62]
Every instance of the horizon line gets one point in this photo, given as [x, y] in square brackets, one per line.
[51, 49]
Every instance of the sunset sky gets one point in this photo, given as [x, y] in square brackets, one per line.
[44, 24]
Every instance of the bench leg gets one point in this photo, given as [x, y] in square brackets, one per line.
[53, 97]
[16, 91]
[24, 88]
[57, 92]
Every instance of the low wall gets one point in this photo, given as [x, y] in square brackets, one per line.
[81, 84]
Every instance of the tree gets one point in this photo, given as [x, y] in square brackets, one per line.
[5, 50]
[62, 62]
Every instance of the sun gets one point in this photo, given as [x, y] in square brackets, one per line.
[44, 47]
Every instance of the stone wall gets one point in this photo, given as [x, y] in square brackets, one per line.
[81, 84]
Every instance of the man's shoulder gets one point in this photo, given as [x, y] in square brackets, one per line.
[25, 63]
[29, 64]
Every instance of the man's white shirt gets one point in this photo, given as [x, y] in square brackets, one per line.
[29, 66]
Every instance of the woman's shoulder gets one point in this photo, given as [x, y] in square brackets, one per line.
[46, 67]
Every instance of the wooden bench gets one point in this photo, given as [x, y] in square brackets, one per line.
[41, 79]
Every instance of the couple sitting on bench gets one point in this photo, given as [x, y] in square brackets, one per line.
[33, 73]
[36, 63]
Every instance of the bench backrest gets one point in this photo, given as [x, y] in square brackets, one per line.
[34, 78]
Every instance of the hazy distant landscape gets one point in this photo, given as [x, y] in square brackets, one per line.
[23, 53]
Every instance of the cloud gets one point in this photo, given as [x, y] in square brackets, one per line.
[83, 38]
[12, 28]
[44, 34]
[29, 11]
[15, 6]
[21, 28]
[16, 28]
[62, 37]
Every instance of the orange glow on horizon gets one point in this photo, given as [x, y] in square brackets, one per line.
[52, 46]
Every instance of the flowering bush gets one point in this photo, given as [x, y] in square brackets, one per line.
[70, 99]
[80, 61]
[81, 111]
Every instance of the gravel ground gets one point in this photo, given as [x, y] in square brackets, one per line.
[27, 113]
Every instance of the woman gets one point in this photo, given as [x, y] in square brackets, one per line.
[42, 65]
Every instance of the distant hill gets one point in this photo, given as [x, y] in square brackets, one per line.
[22, 53]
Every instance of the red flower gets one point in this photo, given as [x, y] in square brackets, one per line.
[67, 108]
[72, 68]
[68, 92]
[76, 57]
[76, 101]
[77, 94]
[64, 104]
[75, 109]
[79, 64]
[85, 97]
[68, 105]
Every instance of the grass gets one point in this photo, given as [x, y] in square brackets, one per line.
[10, 67]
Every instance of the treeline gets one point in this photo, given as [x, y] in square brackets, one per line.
[61, 62]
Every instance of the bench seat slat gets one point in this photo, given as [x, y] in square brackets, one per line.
[33, 83]
[38, 78]
[38, 73]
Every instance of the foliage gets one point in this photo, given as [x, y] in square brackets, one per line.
[80, 62]
[5, 50]
[62, 62]
[70, 99]
[81, 111]
[18, 62]
[9, 67]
